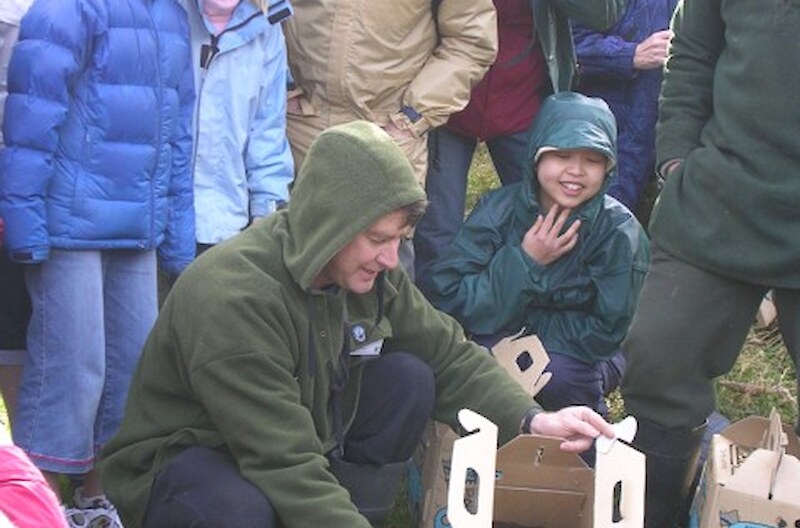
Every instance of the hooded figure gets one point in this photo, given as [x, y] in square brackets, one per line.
[579, 304]
[259, 351]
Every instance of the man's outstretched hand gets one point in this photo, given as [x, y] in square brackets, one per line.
[578, 426]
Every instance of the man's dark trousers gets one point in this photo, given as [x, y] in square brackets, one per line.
[202, 487]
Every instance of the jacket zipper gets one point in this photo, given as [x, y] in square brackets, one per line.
[207, 55]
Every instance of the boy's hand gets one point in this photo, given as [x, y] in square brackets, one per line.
[543, 243]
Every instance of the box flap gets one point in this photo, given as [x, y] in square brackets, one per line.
[751, 456]
[619, 479]
[755, 475]
[474, 454]
[749, 432]
[786, 487]
[525, 359]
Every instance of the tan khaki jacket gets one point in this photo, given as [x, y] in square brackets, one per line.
[369, 58]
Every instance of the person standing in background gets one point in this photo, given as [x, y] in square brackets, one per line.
[15, 305]
[242, 163]
[403, 66]
[535, 58]
[623, 66]
[724, 230]
[94, 181]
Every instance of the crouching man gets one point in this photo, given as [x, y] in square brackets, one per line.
[292, 370]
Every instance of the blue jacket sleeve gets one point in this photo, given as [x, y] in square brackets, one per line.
[268, 160]
[603, 54]
[47, 60]
[178, 248]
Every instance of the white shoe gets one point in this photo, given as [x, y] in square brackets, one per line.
[75, 517]
[92, 512]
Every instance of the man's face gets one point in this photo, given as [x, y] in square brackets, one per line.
[356, 266]
[569, 178]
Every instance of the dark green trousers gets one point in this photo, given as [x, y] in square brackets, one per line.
[689, 328]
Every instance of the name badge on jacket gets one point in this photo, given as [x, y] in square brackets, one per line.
[364, 349]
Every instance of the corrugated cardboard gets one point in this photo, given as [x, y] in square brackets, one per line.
[525, 359]
[539, 486]
[535, 484]
[751, 478]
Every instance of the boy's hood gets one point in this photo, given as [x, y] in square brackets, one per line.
[354, 174]
[569, 120]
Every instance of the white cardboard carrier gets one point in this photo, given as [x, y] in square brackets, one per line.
[751, 478]
[530, 482]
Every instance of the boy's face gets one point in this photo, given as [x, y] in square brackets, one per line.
[569, 178]
[356, 266]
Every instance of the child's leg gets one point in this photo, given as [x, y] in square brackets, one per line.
[131, 307]
[65, 366]
[574, 382]
[611, 371]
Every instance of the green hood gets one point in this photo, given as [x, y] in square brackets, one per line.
[354, 174]
[569, 120]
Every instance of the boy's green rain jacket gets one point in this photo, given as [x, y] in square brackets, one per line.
[581, 304]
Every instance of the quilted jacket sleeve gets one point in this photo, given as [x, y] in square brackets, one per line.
[178, 249]
[603, 54]
[53, 44]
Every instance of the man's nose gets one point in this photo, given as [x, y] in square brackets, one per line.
[389, 256]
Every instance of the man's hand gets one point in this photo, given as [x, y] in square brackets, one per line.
[651, 53]
[543, 243]
[578, 426]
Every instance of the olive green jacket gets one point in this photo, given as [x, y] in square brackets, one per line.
[730, 108]
[245, 349]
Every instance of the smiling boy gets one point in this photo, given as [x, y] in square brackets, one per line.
[553, 255]
[292, 369]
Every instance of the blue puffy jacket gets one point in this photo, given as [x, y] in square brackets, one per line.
[97, 129]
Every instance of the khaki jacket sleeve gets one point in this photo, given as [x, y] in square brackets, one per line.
[467, 31]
